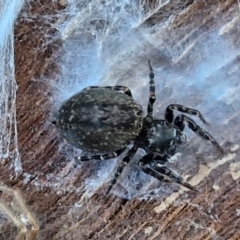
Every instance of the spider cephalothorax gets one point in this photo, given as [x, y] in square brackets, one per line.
[105, 120]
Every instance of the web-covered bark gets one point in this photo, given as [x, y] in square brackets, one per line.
[194, 52]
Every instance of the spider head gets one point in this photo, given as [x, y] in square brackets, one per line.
[164, 138]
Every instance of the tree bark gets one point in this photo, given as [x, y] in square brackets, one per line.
[54, 189]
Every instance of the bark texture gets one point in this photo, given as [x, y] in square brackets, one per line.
[59, 203]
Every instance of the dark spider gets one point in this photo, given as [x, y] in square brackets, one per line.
[104, 120]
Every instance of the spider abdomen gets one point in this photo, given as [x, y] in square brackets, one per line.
[100, 120]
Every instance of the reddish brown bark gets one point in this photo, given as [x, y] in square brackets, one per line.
[211, 214]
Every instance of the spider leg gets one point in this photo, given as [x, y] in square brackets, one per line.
[120, 168]
[105, 156]
[152, 95]
[169, 116]
[153, 166]
[126, 90]
[179, 122]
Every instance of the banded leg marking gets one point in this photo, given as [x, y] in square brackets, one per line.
[179, 122]
[120, 168]
[152, 96]
[169, 115]
[156, 169]
[105, 156]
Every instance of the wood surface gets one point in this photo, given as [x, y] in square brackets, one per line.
[60, 203]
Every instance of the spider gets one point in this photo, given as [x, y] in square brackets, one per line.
[105, 120]
[18, 212]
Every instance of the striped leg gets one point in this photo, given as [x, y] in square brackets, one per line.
[152, 96]
[169, 115]
[126, 90]
[106, 156]
[120, 168]
[179, 122]
[156, 168]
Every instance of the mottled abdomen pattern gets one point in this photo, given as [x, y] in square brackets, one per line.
[100, 120]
